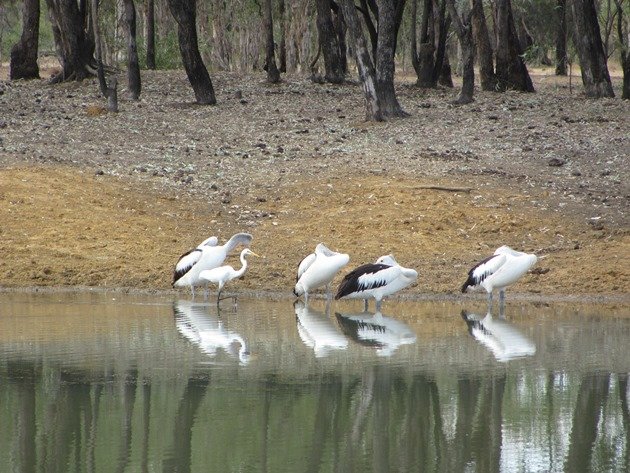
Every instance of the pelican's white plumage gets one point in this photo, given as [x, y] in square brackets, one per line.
[208, 332]
[384, 333]
[318, 269]
[502, 269]
[221, 275]
[317, 330]
[207, 255]
[504, 340]
[376, 280]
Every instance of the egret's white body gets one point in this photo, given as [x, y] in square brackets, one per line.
[384, 333]
[502, 269]
[208, 332]
[503, 339]
[207, 255]
[317, 331]
[221, 275]
[376, 280]
[319, 269]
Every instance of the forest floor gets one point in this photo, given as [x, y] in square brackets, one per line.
[89, 198]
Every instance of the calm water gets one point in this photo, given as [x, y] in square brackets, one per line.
[105, 383]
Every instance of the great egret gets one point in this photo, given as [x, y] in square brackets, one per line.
[318, 269]
[376, 280]
[207, 255]
[223, 274]
[383, 333]
[502, 269]
[502, 338]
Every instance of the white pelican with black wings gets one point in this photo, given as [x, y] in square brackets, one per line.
[376, 280]
[318, 269]
[207, 255]
[502, 269]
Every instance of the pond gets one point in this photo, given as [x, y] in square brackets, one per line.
[102, 382]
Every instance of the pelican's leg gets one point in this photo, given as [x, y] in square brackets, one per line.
[192, 290]
[378, 305]
[490, 302]
[306, 297]
[206, 293]
[365, 305]
[328, 291]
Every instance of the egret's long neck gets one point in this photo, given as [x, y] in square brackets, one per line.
[241, 271]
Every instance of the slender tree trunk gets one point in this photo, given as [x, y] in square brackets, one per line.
[588, 42]
[185, 14]
[623, 33]
[23, 63]
[442, 67]
[365, 65]
[561, 38]
[74, 45]
[426, 52]
[273, 75]
[150, 35]
[328, 43]
[340, 29]
[133, 64]
[385, 50]
[511, 71]
[463, 29]
[282, 53]
[484, 48]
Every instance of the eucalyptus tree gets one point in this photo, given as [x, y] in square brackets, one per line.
[73, 38]
[150, 33]
[23, 63]
[133, 65]
[588, 43]
[273, 74]
[330, 42]
[487, 77]
[463, 28]
[184, 12]
[511, 71]
[429, 58]
[623, 34]
[561, 38]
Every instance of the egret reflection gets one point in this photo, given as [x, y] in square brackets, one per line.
[317, 330]
[195, 322]
[376, 330]
[504, 340]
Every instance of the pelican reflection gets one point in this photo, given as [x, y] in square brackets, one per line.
[376, 330]
[207, 331]
[504, 340]
[317, 331]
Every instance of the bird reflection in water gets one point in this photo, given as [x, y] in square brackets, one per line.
[317, 331]
[504, 340]
[376, 330]
[207, 331]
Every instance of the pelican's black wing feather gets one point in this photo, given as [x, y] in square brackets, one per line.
[355, 281]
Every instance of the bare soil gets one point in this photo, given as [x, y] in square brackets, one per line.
[90, 198]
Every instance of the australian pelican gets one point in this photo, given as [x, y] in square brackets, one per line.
[207, 255]
[504, 340]
[376, 280]
[318, 269]
[223, 274]
[503, 268]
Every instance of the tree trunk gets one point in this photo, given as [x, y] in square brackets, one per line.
[74, 45]
[24, 53]
[623, 33]
[328, 43]
[426, 52]
[484, 48]
[185, 15]
[442, 67]
[273, 75]
[463, 29]
[150, 34]
[511, 71]
[588, 42]
[133, 65]
[282, 53]
[385, 50]
[561, 38]
[340, 29]
[364, 61]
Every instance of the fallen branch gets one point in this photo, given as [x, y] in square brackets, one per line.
[447, 189]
